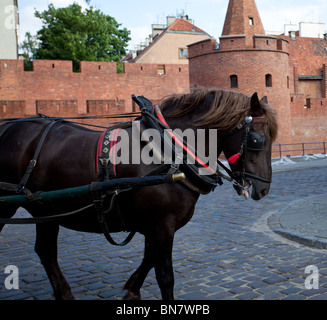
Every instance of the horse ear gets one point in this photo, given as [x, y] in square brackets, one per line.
[264, 100]
[255, 103]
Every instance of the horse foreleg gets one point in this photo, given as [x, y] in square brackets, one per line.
[158, 254]
[135, 282]
[46, 248]
[164, 265]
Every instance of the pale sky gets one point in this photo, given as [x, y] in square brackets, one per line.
[208, 15]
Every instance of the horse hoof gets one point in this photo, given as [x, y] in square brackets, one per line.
[67, 296]
[132, 296]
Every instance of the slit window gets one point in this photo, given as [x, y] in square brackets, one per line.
[161, 69]
[233, 81]
[268, 80]
[251, 21]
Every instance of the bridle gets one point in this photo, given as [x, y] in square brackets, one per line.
[252, 141]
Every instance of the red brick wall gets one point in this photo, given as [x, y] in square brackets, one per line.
[232, 42]
[324, 83]
[309, 119]
[52, 88]
[202, 47]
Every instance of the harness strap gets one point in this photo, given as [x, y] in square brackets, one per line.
[98, 204]
[33, 162]
[48, 219]
[106, 170]
[106, 151]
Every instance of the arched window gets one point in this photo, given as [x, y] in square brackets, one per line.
[233, 81]
[268, 80]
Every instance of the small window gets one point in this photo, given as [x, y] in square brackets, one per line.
[268, 80]
[183, 53]
[161, 69]
[233, 81]
[251, 21]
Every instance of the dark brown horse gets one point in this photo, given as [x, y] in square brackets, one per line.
[68, 159]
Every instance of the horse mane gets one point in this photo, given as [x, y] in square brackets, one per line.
[217, 109]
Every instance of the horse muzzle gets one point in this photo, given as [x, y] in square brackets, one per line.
[259, 189]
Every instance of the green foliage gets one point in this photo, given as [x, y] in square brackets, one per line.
[72, 34]
[29, 47]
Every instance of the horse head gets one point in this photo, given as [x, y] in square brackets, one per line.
[248, 149]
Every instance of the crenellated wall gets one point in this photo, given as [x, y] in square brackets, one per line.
[54, 89]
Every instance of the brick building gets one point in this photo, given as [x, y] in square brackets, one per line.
[169, 45]
[290, 71]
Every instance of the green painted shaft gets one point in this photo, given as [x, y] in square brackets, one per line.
[121, 183]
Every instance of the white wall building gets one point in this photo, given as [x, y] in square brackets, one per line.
[9, 23]
[312, 30]
[304, 29]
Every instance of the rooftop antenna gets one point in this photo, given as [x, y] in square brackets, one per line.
[186, 3]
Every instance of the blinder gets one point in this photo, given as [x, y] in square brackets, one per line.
[256, 141]
[252, 141]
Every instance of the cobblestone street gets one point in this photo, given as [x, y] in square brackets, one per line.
[227, 251]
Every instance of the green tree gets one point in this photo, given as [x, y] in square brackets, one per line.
[72, 34]
[29, 48]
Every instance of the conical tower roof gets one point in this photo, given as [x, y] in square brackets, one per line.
[242, 18]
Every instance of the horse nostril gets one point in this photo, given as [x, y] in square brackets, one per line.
[264, 192]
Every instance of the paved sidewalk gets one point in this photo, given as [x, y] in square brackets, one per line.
[303, 221]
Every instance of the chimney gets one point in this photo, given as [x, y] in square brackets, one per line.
[292, 35]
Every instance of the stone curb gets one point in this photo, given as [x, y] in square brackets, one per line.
[275, 226]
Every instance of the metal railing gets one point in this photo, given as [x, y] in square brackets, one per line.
[301, 148]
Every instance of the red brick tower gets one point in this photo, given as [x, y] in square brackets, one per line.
[246, 60]
[243, 18]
